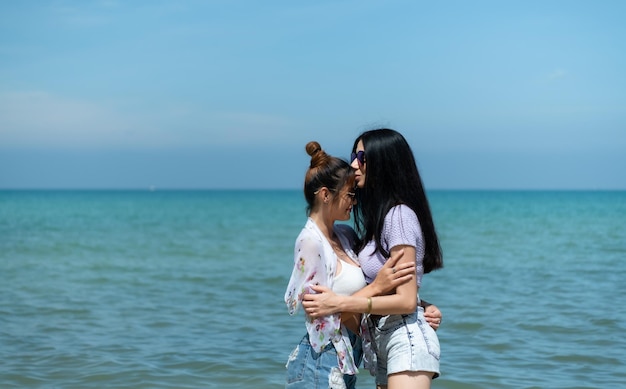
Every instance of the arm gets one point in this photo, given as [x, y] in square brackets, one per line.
[432, 314]
[403, 301]
[389, 277]
[409, 232]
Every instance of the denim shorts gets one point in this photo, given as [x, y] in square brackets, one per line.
[308, 369]
[404, 343]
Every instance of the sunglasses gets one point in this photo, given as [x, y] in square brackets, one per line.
[360, 156]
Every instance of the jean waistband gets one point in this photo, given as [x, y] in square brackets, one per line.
[376, 318]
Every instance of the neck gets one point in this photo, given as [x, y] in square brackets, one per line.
[325, 224]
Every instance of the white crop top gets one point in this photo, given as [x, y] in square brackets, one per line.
[350, 280]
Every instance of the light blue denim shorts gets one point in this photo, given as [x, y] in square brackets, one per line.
[308, 369]
[404, 343]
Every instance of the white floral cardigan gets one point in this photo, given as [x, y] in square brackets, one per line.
[315, 263]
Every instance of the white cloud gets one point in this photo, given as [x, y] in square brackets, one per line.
[239, 126]
[79, 16]
[41, 119]
[557, 74]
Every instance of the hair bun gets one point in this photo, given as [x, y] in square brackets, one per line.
[312, 148]
[318, 156]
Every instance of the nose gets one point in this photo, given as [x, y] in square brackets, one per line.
[355, 164]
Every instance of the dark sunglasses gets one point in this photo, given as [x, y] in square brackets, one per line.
[360, 156]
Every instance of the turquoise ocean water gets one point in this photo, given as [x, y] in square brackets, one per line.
[183, 289]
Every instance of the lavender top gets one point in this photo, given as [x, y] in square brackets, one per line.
[401, 227]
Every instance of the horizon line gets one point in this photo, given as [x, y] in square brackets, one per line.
[205, 189]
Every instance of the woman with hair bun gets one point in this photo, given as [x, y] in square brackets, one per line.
[328, 355]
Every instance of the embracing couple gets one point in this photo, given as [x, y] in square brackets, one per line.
[360, 287]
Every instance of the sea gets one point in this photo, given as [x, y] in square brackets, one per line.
[184, 289]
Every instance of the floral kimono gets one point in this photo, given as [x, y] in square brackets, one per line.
[315, 263]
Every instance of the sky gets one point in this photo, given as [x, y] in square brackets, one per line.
[225, 94]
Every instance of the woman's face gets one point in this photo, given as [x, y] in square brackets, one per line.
[343, 204]
[358, 163]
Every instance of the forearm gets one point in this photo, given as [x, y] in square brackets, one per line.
[370, 290]
[379, 305]
[371, 299]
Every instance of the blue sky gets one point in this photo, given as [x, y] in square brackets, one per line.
[225, 94]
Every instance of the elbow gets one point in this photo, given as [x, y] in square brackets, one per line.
[409, 306]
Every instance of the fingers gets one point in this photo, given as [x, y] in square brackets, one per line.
[432, 311]
[433, 322]
[433, 316]
[399, 270]
[393, 260]
[400, 274]
[315, 290]
[403, 271]
[319, 288]
[404, 268]
[311, 301]
[309, 306]
[401, 279]
[312, 309]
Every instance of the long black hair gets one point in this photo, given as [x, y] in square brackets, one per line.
[392, 178]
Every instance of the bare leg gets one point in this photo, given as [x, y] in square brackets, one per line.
[409, 379]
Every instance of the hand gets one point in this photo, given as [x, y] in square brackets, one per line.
[432, 314]
[392, 274]
[322, 303]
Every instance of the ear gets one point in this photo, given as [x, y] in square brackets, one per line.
[324, 194]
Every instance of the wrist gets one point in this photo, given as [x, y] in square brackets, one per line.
[341, 304]
[375, 289]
